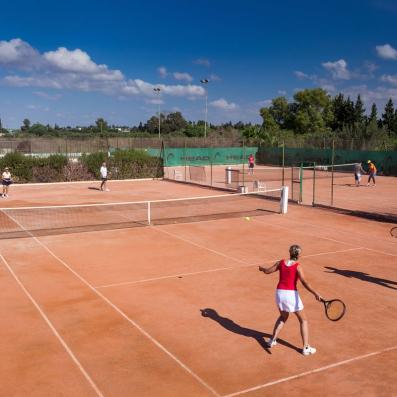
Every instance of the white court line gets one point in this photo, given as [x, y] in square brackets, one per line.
[213, 270]
[302, 374]
[119, 311]
[198, 245]
[87, 182]
[379, 252]
[55, 332]
[307, 234]
[338, 230]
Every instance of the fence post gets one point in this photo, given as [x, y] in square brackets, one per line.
[332, 172]
[314, 184]
[301, 183]
[243, 162]
[283, 161]
[184, 156]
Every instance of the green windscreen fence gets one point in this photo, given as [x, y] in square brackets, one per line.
[204, 156]
[386, 162]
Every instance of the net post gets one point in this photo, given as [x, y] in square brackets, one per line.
[184, 156]
[211, 160]
[284, 200]
[314, 183]
[148, 214]
[332, 172]
[301, 183]
[243, 162]
[283, 162]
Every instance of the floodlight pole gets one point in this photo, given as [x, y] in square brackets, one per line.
[205, 81]
[157, 91]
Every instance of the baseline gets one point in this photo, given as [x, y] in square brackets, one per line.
[320, 369]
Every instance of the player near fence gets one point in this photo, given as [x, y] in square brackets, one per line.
[6, 181]
[104, 176]
[251, 164]
[287, 296]
[371, 172]
[358, 171]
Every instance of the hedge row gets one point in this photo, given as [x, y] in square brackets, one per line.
[123, 164]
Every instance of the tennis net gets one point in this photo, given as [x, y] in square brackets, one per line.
[53, 220]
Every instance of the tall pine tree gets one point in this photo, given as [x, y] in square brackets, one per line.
[388, 116]
[373, 117]
[359, 111]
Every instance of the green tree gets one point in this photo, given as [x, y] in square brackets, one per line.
[26, 125]
[101, 125]
[269, 124]
[373, 117]
[175, 122]
[280, 111]
[38, 129]
[389, 115]
[311, 106]
[359, 111]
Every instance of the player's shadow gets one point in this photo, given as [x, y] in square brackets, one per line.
[231, 326]
[94, 188]
[362, 276]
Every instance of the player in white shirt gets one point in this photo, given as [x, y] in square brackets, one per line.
[6, 182]
[104, 176]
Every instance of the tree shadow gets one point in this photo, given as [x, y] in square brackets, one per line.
[231, 326]
[362, 276]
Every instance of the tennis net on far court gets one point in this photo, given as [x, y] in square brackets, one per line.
[53, 220]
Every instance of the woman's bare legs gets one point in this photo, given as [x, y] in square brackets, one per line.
[279, 324]
[304, 327]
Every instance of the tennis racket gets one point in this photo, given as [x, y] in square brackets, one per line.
[393, 231]
[334, 309]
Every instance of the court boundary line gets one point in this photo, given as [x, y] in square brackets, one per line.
[124, 315]
[213, 270]
[330, 239]
[80, 182]
[53, 329]
[313, 371]
[337, 230]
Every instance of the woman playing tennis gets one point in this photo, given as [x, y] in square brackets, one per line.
[287, 296]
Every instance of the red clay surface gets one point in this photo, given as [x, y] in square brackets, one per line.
[377, 200]
[119, 313]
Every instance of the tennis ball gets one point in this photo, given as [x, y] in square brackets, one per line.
[247, 218]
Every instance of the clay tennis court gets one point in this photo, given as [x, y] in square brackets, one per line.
[180, 309]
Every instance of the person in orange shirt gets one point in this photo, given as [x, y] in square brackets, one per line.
[371, 172]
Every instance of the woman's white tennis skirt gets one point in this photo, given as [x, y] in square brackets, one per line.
[288, 300]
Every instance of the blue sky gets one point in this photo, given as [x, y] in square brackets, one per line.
[72, 62]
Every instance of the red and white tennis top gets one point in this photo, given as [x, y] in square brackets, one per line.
[288, 275]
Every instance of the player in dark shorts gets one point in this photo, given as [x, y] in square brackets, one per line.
[6, 181]
[251, 164]
[358, 171]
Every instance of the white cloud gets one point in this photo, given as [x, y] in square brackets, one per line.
[386, 51]
[214, 77]
[202, 61]
[221, 103]
[282, 92]
[265, 103]
[38, 107]
[75, 70]
[18, 53]
[392, 79]
[183, 76]
[162, 71]
[45, 95]
[301, 75]
[155, 101]
[338, 69]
